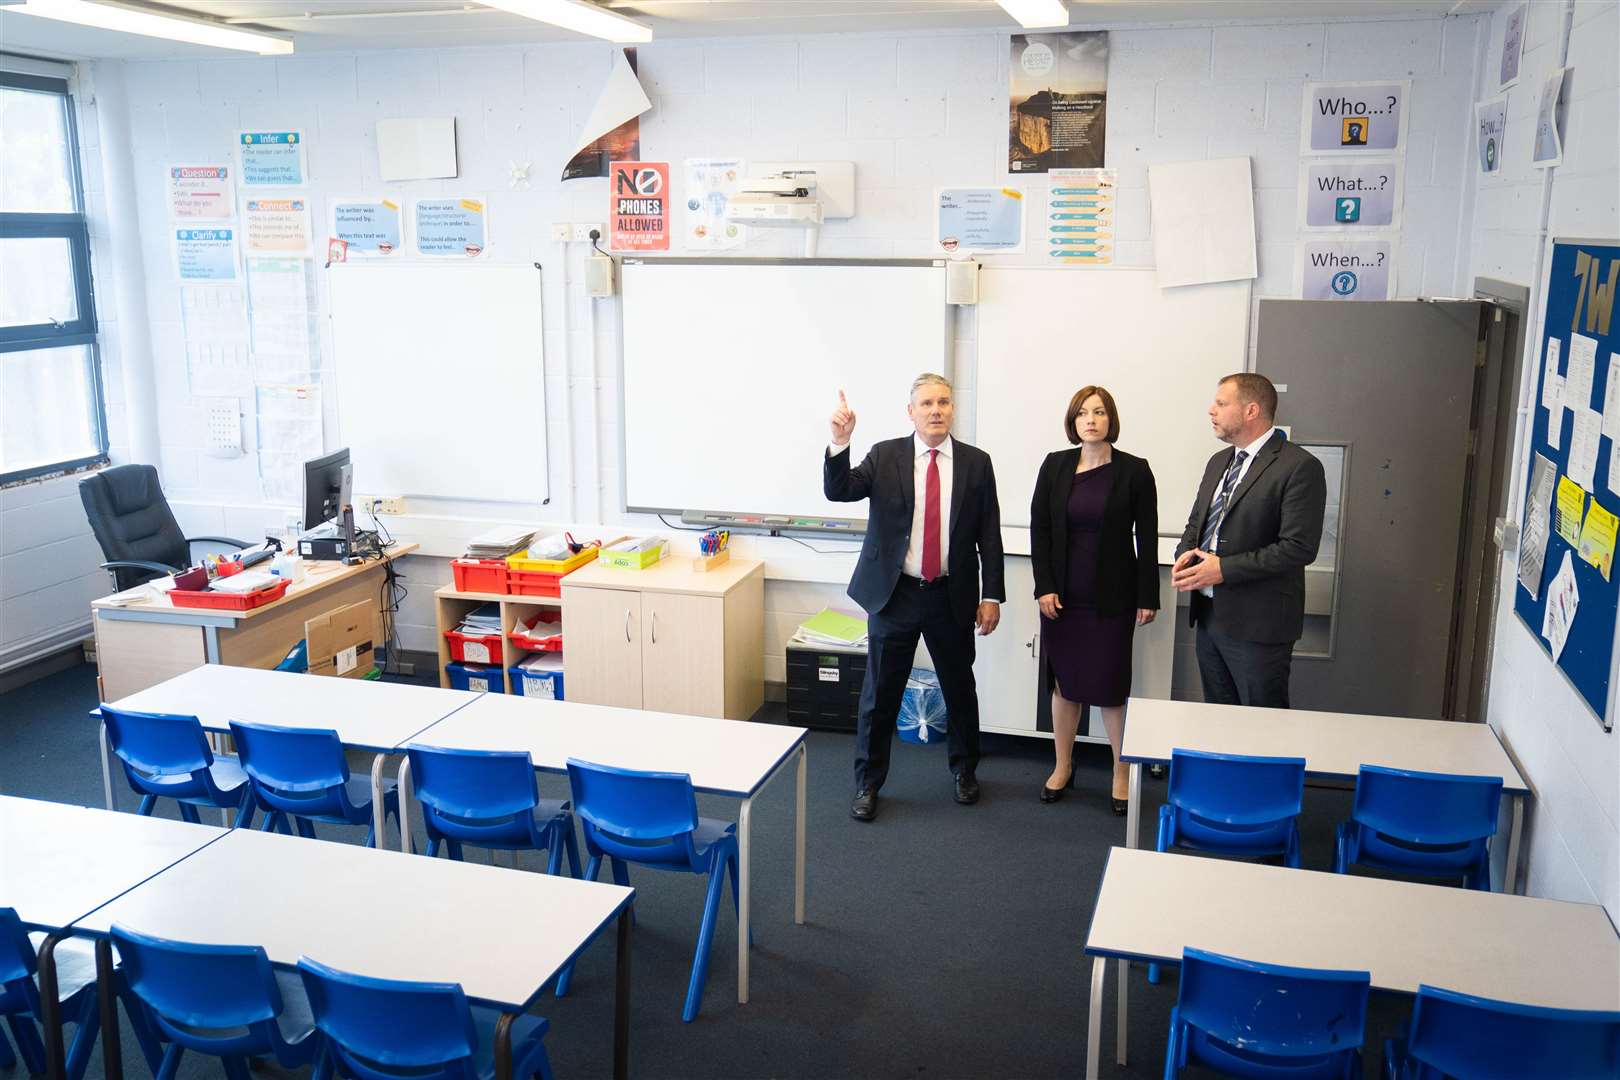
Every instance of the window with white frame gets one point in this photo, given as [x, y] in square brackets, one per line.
[52, 411]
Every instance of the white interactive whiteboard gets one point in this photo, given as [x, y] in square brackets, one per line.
[1046, 332]
[441, 380]
[732, 367]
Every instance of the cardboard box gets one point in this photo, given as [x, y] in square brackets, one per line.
[342, 641]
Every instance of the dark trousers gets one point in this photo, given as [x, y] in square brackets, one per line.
[1243, 672]
[891, 647]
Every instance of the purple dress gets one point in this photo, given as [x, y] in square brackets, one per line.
[1088, 654]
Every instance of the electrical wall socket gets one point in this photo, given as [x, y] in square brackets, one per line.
[583, 232]
[388, 504]
[562, 232]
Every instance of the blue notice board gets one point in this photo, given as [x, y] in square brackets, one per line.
[1581, 293]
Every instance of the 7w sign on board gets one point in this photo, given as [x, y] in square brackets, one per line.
[639, 219]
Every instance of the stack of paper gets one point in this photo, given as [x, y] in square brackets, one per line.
[832, 627]
[542, 662]
[245, 582]
[499, 543]
[481, 621]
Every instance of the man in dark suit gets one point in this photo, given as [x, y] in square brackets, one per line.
[933, 525]
[1254, 527]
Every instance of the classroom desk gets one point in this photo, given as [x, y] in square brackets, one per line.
[1151, 906]
[60, 862]
[734, 758]
[374, 716]
[141, 644]
[1333, 745]
[502, 935]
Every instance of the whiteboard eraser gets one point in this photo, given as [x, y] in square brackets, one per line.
[598, 276]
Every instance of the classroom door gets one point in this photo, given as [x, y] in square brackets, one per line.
[1385, 394]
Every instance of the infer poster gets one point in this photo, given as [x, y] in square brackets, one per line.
[639, 218]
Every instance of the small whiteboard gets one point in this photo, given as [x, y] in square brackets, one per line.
[441, 388]
[1046, 332]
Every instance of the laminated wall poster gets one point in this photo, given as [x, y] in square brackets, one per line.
[1057, 101]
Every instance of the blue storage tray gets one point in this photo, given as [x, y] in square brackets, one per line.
[486, 677]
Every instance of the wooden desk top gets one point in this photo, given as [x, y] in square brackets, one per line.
[500, 933]
[1152, 905]
[1332, 744]
[672, 575]
[317, 576]
[59, 862]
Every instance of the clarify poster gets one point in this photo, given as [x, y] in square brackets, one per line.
[205, 254]
[1057, 101]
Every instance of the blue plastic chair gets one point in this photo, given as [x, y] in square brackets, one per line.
[1429, 824]
[489, 799]
[300, 776]
[380, 1029]
[167, 756]
[1234, 805]
[1474, 1038]
[76, 990]
[1265, 1021]
[223, 1000]
[651, 819]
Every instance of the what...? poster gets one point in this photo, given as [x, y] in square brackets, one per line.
[1057, 101]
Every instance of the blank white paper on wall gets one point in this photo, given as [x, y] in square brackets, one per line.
[1203, 221]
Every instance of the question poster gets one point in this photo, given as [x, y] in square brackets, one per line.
[1351, 194]
[1347, 270]
[1354, 118]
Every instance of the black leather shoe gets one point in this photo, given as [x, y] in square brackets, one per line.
[1121, 806]
[1054, 794]
[967, 788]
[864, 808]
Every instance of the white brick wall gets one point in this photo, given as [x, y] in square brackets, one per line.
[912, 113]
[1574, 826]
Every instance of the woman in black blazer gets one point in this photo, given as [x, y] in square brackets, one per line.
[1094, 582]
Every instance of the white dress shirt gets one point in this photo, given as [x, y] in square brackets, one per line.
[919, 478]
[1243, 470]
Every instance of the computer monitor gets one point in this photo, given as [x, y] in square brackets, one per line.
[328, 488]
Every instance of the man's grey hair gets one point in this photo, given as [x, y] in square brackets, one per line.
[929, 377]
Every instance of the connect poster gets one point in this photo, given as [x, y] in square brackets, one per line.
[1347, 270]
[276, 226]
[639, 218]
[450, 228]
[1354, 118]
[273, 158]
[1057, 101]
[370, 227]
[1351, 194]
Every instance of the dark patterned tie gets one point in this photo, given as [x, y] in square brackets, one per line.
[1217, 509]
[930, 552]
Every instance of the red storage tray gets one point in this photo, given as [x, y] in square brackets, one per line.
[203, 598]
[491, 643]
[480, 575]
[546, 619]
[534, 583]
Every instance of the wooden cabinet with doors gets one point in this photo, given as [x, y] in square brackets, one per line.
[668, 638]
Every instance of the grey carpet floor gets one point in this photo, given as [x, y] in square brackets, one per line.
[940, 941]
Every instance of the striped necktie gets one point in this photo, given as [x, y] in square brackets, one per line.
[1217, 509]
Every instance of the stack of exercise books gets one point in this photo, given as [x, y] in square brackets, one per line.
[499, 543]
[834, 629]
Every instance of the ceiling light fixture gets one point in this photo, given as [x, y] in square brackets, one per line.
[134, 20]
[1036, 14]
[580, 17]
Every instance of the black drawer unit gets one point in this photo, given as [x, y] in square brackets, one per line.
[824, 687]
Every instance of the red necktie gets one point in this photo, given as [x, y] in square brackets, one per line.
[930, 552]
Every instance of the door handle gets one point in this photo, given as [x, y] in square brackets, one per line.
[655, 627]
[1032, 646]
[627, 625]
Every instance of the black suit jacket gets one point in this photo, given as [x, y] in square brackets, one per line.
[1270, 534]
[886, 478]
[1127, 572]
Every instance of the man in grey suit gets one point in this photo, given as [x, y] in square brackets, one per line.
[1254, 527]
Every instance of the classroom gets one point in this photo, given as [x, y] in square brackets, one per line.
[447, 446]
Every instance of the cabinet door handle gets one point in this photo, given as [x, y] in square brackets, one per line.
[627, 625]
[655, 627]
[1034, 651]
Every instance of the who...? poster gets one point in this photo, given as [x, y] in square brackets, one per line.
[1057, 101]
[639, 219]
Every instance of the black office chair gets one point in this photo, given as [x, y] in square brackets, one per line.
[137, 531]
